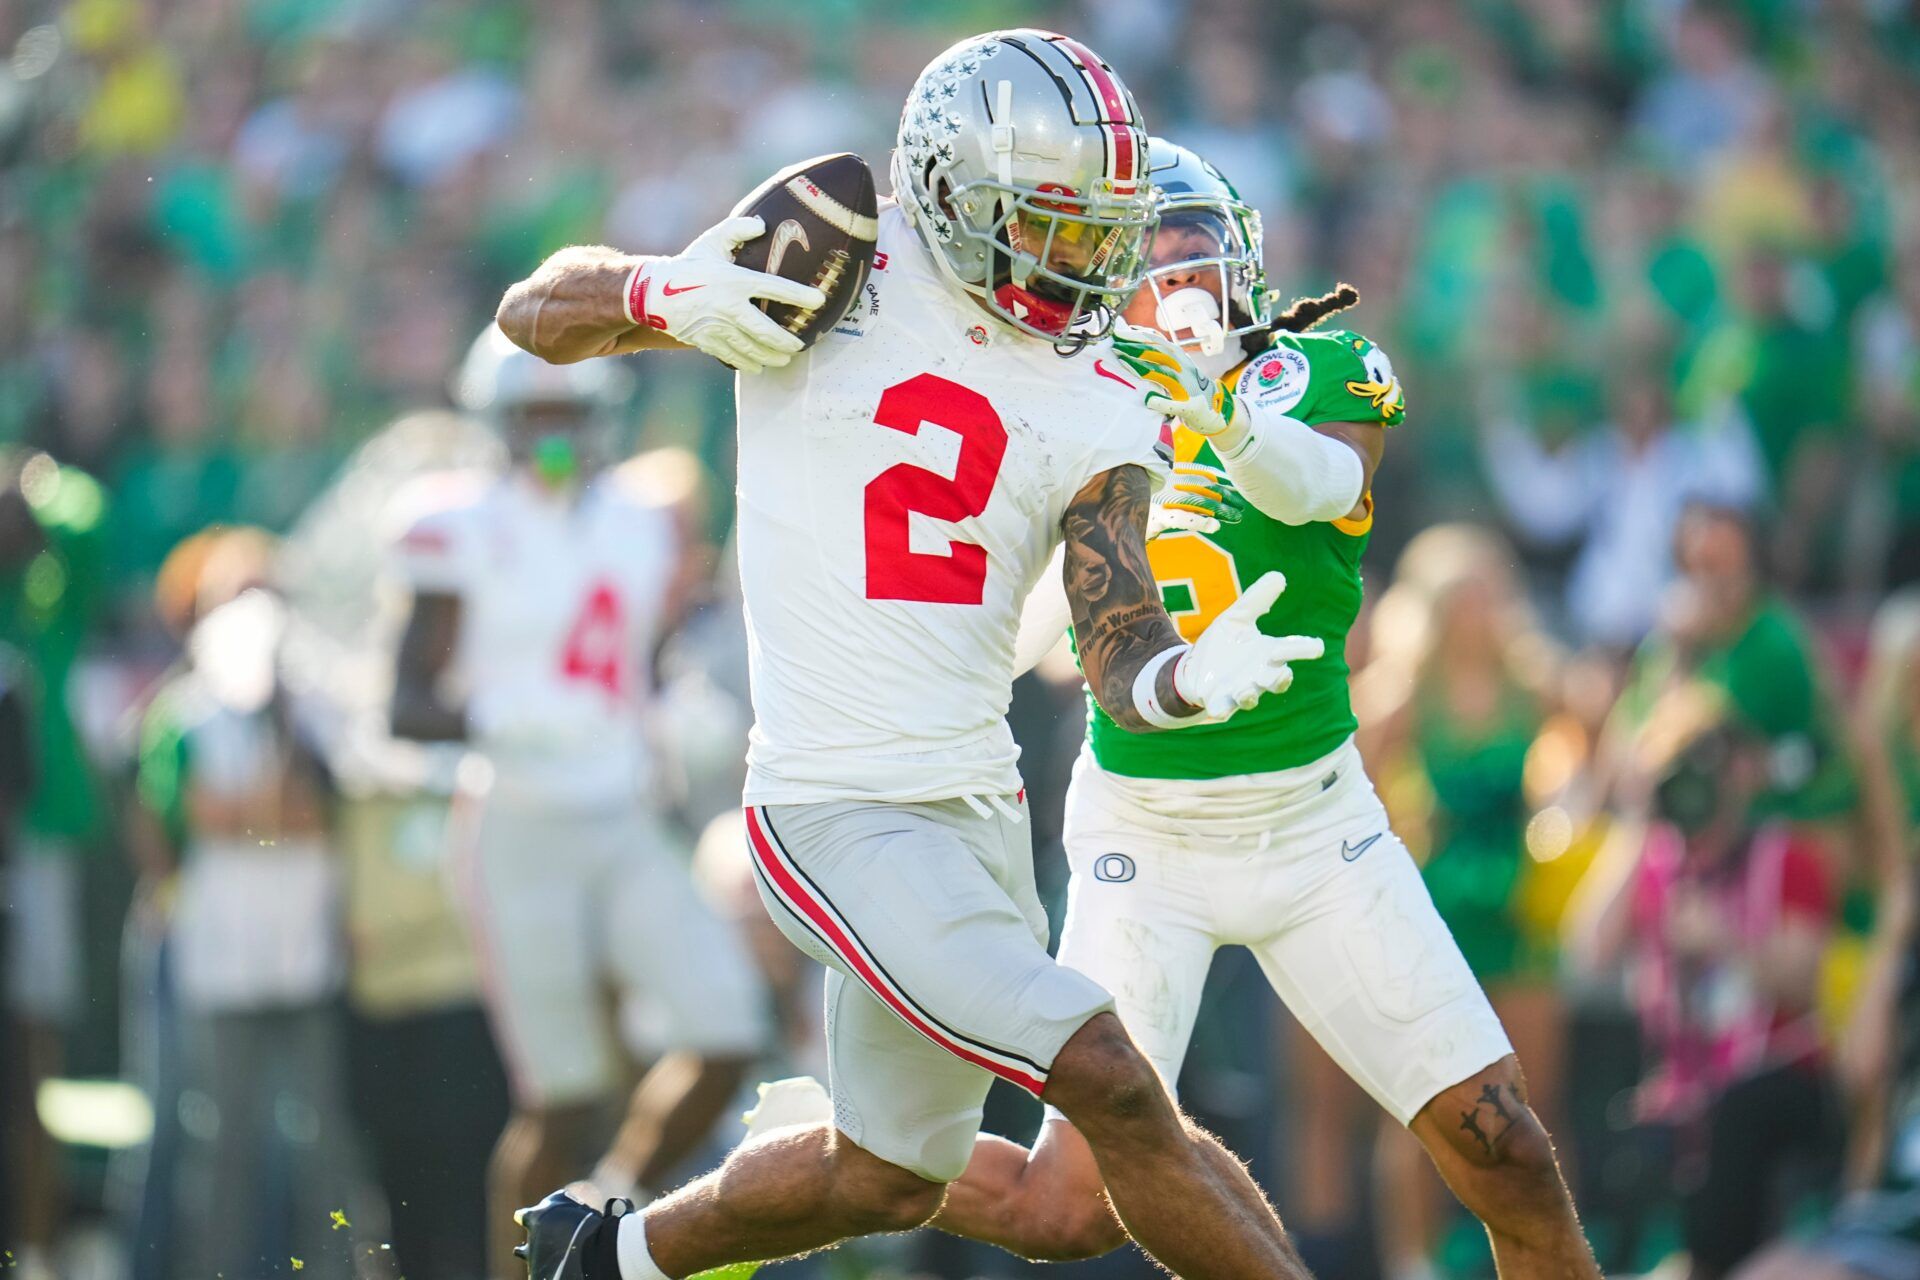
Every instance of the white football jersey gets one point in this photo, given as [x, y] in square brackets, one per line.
[902, 485]
[560, 606]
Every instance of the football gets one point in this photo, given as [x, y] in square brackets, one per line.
[820, 220]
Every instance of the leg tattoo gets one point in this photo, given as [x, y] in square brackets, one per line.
[1490, 1131]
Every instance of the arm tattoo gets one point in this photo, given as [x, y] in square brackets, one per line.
[1118, 620]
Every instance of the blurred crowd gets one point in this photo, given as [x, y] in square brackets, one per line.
[1638, 676]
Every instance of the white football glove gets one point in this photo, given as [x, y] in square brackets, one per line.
[1232, 664]
[699, 297]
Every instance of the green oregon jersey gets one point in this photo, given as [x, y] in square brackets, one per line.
[1323, 376]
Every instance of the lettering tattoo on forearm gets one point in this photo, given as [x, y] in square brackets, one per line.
[1490, 1120]
[1118, 619]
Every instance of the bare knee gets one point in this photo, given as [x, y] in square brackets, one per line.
[1105, 1085]
[1073, 1229]
[881, 1197]
[1486, 1125]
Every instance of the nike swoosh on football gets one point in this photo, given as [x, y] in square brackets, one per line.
[1352, 851]
[1105, 372]
[785, 236]
[668, 290]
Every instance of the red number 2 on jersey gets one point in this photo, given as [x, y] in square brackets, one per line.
[596, 642]
[895, 571]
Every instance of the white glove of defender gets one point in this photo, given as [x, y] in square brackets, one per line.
[699, 297]
[1232, 664]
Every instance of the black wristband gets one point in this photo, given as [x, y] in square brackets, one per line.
[600, 1255]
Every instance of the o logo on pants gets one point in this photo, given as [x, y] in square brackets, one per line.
[1114, 868]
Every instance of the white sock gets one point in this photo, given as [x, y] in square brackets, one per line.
[635, 1262]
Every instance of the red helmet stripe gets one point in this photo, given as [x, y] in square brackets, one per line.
[1123, 149]
[1105, 87]
[1125, 153]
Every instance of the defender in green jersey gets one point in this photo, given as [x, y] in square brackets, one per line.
[1320, 377]
[1265, 831]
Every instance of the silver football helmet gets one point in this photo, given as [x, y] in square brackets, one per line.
[1207, 232]
[1022, 164]
[558, 418]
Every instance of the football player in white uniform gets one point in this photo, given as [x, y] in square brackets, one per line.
[1266, 832]
[902, 485]
[538, 599]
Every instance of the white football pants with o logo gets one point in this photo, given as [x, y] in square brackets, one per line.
[1300, 867]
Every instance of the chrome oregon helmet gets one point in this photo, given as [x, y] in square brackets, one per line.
[1195, 197]
[1022, 164]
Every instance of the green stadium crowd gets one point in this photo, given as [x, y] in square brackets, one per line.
[1649, 269]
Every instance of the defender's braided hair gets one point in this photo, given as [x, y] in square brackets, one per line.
[1308, 312]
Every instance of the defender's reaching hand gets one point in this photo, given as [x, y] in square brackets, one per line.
[1195, 499]
[1174, 386]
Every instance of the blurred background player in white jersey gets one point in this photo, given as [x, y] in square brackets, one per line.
[539, 597]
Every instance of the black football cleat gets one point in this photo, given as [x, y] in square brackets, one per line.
[568, 1240]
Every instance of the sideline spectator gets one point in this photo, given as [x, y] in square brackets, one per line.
[1722, 624]
[1457, 689]
[52, 521]
[1719, 914]
[1785, 358]
[257, 958]
[1875, 1234]
[199, 575]
[1617, 494]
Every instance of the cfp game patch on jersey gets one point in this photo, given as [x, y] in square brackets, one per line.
[820, 230]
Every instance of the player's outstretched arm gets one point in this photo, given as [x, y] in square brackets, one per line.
[574, 307]
[589, 300]
[1139, 669]
[1290, 470]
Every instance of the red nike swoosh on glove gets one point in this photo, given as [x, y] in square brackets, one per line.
[667, 290]
[1105, 372]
